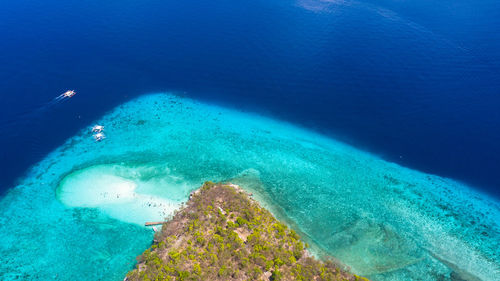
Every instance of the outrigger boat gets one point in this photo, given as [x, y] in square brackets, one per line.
[97, 128]
[68, 94]
[99, 136]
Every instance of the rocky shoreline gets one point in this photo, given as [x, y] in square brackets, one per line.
[223, 234]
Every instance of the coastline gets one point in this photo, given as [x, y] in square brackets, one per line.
[244, 241]
[253, 187]
[334, 192]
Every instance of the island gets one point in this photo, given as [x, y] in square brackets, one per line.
[223, 234]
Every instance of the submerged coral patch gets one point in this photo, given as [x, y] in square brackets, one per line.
[80, 208]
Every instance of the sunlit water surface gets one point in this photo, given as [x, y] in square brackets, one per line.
[78, 214]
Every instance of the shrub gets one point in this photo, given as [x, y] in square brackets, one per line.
[199, 243]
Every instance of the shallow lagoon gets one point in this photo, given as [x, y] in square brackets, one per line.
[78, 214]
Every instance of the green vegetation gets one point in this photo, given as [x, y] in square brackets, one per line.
[221, 234]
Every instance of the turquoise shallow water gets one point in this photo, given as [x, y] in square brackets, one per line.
[77, 214]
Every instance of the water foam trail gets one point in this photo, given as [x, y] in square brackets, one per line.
[388, 14]
[31, 115]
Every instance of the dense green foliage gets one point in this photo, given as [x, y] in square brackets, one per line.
[221, 234]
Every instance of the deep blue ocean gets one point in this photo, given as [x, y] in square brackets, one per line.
[416, 82]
